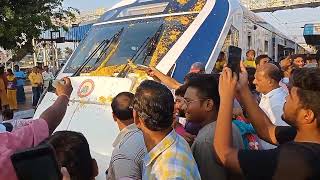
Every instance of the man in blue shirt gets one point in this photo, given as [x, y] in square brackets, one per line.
[21, 76]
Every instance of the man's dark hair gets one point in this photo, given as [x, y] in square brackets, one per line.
[307, 80]
[181, 90]
[7, 114]
[16, 67]
[251, 50]
[122, 108]
[190, 76]
[207, 87]
[275, 74]
[251, 72]
[259, 58]
[154, 103]
[72, 151]
[295, 56]
[9, 71]
[221, 56]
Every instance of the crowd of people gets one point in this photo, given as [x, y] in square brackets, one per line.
[261, 124]
[12, 85]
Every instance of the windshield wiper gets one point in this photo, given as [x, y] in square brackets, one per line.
[114, 40]
[149, 43]
[105, 44]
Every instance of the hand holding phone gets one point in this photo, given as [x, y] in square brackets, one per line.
[234, 59]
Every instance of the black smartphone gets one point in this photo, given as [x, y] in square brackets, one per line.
[234, 59]
[37, 163]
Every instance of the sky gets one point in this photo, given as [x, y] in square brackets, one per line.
[287, 21]
[86, 5]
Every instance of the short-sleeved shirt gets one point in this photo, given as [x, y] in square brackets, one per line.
[20, 139]
[20, 78]
[291, 160]
[36, 79]
[127, 156]
[202, 149]
[272, 104]
[248, 63]
[171, 159]
[47, 77]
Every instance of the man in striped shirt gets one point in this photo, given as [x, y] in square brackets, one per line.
[169, 155]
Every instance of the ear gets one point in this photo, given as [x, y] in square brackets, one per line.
[209, 105]
[136, 119]
[95, 169]
[114, 117]
[309, 116]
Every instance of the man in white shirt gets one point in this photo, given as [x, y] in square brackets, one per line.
[273, 96]
[47, 77]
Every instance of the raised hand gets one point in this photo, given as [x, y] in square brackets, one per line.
[64, 88]
[227, 84]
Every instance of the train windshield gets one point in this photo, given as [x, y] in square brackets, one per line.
[108, 47]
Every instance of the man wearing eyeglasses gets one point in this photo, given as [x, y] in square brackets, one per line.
[202, 99]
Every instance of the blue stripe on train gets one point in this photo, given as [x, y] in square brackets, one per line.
[203, 42]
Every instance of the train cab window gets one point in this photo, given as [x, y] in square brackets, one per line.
[266, 47]
[231, 39]
[249, 42]
[142, 41]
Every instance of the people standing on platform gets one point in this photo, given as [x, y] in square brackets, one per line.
[250, 61]
[47, 77]
[36, 80]
[21, 77]
[12, 90]
[3, 90]
[4, 76]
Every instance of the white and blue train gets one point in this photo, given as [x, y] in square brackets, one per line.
[168, 34]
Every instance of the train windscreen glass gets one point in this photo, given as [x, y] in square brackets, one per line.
[143, 41]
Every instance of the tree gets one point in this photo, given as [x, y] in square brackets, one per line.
[23, 20]
[68, 51]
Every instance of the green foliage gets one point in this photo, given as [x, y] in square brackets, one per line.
[29, 18]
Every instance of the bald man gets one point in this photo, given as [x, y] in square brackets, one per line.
[267, 78]
[197, 67]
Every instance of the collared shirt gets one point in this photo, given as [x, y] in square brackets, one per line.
[202, 149]
[272, 104]
[248, 63]
[127, 156]
[20, 78]
[20, 139]
[47, 76]
[171, 159]
[36, 79]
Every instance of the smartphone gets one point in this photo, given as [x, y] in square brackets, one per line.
[37, 163]
[234, 59]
